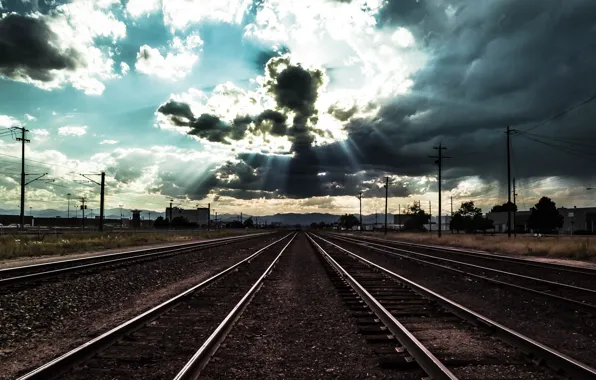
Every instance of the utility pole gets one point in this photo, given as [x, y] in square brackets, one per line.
[102, 193]
[386, 198]
[23, 141]
[83, 208]
[439, 162]
[451, 215]
[508, 182]
[399, 215]
[120, 215]
[514, 207]
[170, 222]
[360, 199]
[240, 217]
[430, 221]
[68, 212]
[208, 215]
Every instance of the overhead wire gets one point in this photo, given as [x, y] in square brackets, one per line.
[582, 103]
[575, 152]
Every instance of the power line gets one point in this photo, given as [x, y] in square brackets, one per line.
[568, 150]
[584, 102]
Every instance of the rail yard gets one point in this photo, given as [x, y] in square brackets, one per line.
[297, 305]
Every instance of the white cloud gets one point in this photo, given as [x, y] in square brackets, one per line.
[9, 121]
[177, 63]
[403, 37]
[374, 65]
[78, 25]
[178, 14]
[138, 8]
[72, 130]
[40, 132]
[124, 68]
[30, 117]
[108, 142]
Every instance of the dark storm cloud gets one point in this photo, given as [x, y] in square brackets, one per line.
[28, 49]
[277, 120]
[177, 110]
[491, 64]
[294, 88]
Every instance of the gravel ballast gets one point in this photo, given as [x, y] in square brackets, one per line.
[297, 327]
[543, 320]
[39, 323]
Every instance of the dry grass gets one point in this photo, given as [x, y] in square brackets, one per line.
[26, 246]
[567, 247]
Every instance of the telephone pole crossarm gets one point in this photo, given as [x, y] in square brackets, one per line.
[95, 182]
[36, 178]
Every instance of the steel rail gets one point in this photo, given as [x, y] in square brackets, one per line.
[199, 360]
[64, 362]
[552, 358]
[590, 308]
[485, 255]
[486, 269]
[120, 258]
[427, 360]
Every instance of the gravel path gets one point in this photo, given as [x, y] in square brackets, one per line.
[39, 323]
[297, 327]
[545, 321]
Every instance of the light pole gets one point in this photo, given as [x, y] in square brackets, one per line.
[360, 199]
[68, 212]
[120, 215]
[171, 210]
[31, 211]
[591, 188]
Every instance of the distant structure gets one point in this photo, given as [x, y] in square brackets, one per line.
[136, 218]
[578, 219]
[201, 215]
[500, 221]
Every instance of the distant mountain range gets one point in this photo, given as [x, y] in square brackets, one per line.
[288, 219]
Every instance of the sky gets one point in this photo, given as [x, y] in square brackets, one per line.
[267, 106]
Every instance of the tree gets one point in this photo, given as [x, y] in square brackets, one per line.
[180, 222]
[483, 223]
[544, 216]
[469, 218]
[248, 223]
[348, 221]
[457, 223]
[507, 206]
[417, 218]
[160, 222]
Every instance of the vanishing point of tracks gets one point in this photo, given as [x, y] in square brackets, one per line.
[414, 331]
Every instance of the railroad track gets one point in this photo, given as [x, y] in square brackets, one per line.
[162, 343]
[424, 327]
[29, 275]
[579, 298]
